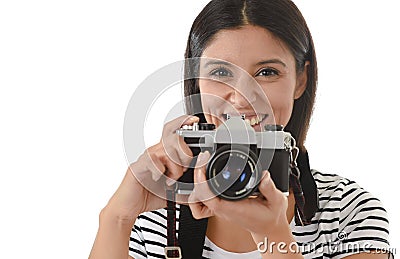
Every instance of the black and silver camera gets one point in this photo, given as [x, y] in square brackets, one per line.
[238, 157]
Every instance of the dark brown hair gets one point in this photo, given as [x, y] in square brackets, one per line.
[284, 20]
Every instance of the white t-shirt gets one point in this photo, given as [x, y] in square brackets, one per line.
[349, 221]
[217, 252]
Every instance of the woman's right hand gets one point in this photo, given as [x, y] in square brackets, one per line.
[143, 187]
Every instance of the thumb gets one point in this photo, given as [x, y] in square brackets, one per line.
[268, 188]
[201, 189]
[200, 168]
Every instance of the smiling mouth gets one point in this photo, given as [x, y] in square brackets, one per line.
[253, 119]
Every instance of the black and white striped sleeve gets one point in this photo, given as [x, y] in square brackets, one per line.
[137, 242]
[363, 223]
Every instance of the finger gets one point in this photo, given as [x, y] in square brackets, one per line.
[268, 189]
[185, 153]
[160, 165]
[172, 126]
[198, 208]
[174, 171]
[201, 189]
[201, 163]
[200, 182]
[200, 211]
[177, 150]
[156, 167]
[147, 163]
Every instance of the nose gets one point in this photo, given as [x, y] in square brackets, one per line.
[242, 96]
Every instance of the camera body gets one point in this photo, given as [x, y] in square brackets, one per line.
[238, 155]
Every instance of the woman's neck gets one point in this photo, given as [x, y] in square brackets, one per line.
[233, 238]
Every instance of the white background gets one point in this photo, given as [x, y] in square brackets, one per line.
[67, 72]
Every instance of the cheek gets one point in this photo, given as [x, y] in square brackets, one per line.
[282, 111]
[213, 96]
[213, 88]
[281, 101]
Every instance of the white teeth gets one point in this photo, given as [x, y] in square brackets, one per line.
[255, 120]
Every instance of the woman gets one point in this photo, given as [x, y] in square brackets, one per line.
[335, 218]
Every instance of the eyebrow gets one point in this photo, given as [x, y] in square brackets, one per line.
[216, 62]
[264, 62]
[271, 61]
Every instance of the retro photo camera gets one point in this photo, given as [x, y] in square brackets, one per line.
[238, 155]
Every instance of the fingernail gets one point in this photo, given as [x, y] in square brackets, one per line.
[202, 157]
[267, 177]
[156, 176]
[192, 118]
[170, 181]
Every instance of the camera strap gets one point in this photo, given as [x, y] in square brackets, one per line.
[192, 232]
[294, 180]
[294, 183]
[172, 250]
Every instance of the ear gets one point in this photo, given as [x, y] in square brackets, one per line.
[301, 81]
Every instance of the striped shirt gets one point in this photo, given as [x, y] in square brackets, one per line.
[349, 221]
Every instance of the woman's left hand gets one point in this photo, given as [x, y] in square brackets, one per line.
[261, 216]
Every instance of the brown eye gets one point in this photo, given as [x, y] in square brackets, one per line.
[268, 72]
[221, 72]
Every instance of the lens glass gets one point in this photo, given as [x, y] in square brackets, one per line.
[232, 174]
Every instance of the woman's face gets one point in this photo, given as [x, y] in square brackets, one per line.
[248, 71]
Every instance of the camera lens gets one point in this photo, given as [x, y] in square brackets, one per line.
[232, 172]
